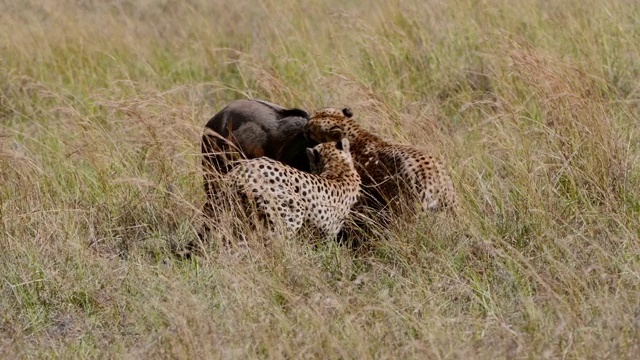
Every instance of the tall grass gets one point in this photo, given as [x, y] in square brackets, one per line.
[534, 105]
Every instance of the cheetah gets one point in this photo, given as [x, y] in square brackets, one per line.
[390, 172]
[249, 128]
[293, 198]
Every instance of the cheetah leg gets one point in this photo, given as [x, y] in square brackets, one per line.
[289, 220]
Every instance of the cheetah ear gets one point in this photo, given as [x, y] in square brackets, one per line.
[347, 112]
[313, 155]
[343, 145]
[336, 133]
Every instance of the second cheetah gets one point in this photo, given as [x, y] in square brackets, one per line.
[388, 170]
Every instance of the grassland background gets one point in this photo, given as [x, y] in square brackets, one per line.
[534, 104]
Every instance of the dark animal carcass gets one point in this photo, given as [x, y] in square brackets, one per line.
[255, 128]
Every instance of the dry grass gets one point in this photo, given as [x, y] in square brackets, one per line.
[534, 104]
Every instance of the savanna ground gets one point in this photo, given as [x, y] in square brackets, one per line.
[534, 104]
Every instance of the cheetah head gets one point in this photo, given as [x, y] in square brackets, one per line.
[327, 125]
[328, 152]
